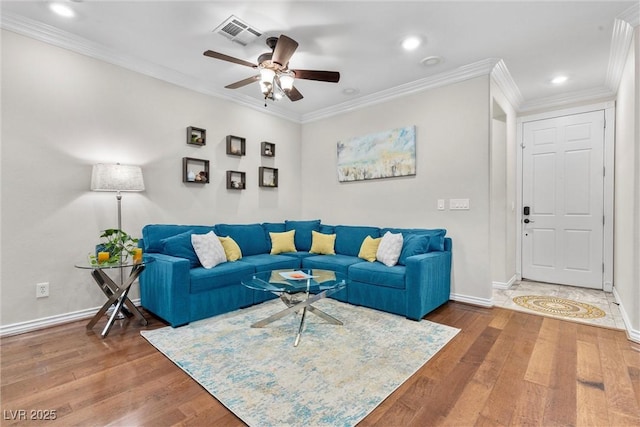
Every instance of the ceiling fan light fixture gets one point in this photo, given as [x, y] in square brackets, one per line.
[286, 80]
[267, 75]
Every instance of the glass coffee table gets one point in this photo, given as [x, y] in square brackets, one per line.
[298, 290]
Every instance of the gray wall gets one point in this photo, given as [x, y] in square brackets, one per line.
[61, 113]
[627, 189]
[452, 153]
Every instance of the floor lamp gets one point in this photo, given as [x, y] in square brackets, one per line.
[117, 178]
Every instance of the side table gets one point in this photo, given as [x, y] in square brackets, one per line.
[116, 293]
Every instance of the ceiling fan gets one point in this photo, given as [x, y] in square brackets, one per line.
[275, 78]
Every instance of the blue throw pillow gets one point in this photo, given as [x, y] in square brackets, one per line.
[414, 244]
[302, 238]
[180, 246]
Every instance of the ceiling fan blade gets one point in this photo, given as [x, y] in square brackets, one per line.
[294, 94]
[283, 50]
[323, 76]
[244, 82]
[228, 58]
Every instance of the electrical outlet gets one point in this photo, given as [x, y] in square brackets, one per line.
[42, 290]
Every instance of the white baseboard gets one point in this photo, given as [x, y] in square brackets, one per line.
[47, 322]
[482, 302]
[632, 334]
[507, 285]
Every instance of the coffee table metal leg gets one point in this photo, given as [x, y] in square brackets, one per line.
[290, 309]
[304, 312]
[325, 316]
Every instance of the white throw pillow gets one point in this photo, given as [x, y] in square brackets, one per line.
[209, 249]
[389, 249]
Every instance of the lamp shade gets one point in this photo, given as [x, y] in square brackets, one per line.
[116, 177]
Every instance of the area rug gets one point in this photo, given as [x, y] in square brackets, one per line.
[557, 306]
[335, 377]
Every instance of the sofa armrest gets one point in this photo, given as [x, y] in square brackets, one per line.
[428, 282]
[164, 288]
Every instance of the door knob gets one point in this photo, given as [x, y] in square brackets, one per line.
[527, 221]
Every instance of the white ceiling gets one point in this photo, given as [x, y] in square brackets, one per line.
[535, 40]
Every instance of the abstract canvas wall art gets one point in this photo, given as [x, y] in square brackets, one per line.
[385, 154]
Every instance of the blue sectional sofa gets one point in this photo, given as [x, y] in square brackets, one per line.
[176, 288]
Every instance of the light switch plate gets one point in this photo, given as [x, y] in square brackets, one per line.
[459, 204]
[440, 204]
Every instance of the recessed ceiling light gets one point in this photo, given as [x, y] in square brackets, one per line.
[411, 43]
[62, 10]
[559, 80]
[430, 61]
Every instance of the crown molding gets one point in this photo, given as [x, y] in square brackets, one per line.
[621, 39]
[465, 72]
[496, 68]
[620, 44]
[631, 15]
[500, 74]
[56, 37]
[567, 98]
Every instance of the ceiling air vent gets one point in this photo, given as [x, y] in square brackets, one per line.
[238, 31]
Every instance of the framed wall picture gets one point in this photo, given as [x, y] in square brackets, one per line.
[267, 177]
[236, 146]
[385, 154]
[196, 136]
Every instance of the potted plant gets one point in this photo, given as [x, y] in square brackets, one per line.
[117, 243]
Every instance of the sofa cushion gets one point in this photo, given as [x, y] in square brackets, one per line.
[299, 255]
[282, 242]
[266, 262]
[349, 238]
[327, 229]
[231, 249]
[369, 248]
[436, 235]
[376, 273]
[209, 249]
[250, 237]
[414, 244]
[180, 246]
[152, 234]
[272, 227]
[339, 263]
[303, 232]
[225, 274]
[322, 244]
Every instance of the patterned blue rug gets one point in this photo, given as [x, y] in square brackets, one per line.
[335, 377]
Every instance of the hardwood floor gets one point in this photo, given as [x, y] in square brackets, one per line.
[504, 368]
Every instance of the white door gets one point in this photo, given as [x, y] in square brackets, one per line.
[563, 178]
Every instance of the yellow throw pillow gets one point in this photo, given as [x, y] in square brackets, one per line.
[369, 248]
[322, 244]
[231, 248]
[282, 242]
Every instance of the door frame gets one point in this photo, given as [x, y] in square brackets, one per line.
[608, 191]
